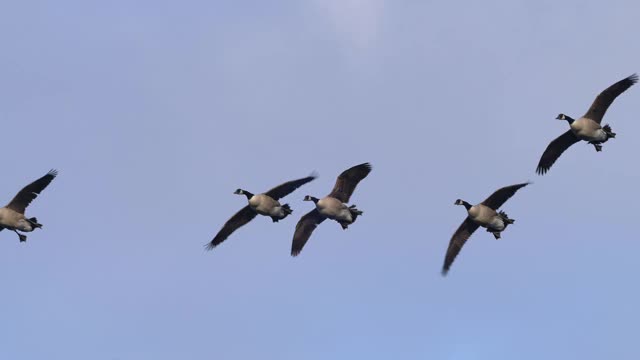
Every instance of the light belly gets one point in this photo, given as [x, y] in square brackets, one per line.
[12, 220]
[340, 215]
[264, 205]
[496, 224]
[482, 215]
[276, 211]
[588, 130]
[598, 135]
[334, 209]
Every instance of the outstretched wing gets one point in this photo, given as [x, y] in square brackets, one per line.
[304, 228]
[242, 217]
[348, 180]
[605, 98]
[457, 241]
[502, 195]
[554, 150]
[287, 188]
[30, 192]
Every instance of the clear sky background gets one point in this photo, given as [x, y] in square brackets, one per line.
[155, 112]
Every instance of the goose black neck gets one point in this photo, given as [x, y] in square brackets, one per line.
[466, 205]
[314, 199]
[247, 194]
[569, 119]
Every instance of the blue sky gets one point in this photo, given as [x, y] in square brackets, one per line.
[155, 112]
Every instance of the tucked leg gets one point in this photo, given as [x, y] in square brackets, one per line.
[598, 146]
[22, 237]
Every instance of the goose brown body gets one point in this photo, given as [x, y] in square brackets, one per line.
[334, 209]
[588, 130]
[486, 217]
[265, 205]
[13, 220]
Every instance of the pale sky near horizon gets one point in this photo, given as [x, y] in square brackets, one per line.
[154, 112]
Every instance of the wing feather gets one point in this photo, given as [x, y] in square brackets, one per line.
[457, 241]
[500, 196]
[304, 228]
[25, 196]
[606, 98]
[554, 150]
[348, 180]
[240, 218]
[287, 188]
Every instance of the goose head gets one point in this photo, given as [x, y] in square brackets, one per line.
[311, 198]
[464, 203]
[564, 117]
[243, 192]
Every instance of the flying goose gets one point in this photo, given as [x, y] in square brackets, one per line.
[587, 127]
[333, 206]
[264, 204]
[484, 214]
[12, 216]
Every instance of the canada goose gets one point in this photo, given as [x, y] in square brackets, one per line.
[333, 206]
[264, 204]
[484, 214]
[12, 216]
[587, 127]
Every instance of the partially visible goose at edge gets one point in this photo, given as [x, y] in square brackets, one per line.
[264, 204]
[333, 206]
[484, 214]
[12, 216]
[587, 127]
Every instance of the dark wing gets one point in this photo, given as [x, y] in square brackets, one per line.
[304, 228]
[287, 188]
[348, 180]
[242, 217]
[502, 195]
[457, 241]
[605, 98]
[30, 192]
[554, 150]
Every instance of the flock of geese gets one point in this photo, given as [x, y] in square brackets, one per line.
[335, 205]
